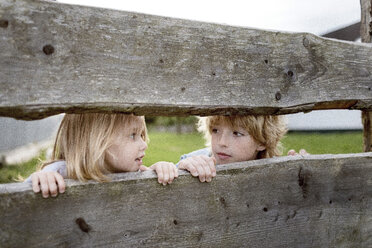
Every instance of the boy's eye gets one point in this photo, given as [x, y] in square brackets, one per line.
[214, 130]
[238, 134]
[133, 136]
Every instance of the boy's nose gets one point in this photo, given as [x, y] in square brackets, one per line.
[223, 140]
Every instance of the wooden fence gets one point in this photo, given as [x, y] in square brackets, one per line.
[64, 58]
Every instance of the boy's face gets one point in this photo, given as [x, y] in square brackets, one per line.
[127, 150]
[231, 145]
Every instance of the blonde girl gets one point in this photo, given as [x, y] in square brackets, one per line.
[90, 146]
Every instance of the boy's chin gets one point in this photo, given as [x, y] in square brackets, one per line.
[224, 162]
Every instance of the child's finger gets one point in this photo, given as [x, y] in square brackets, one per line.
[165, 173]
[200, 167]
[175, 169]
[52, 185]
[35, 182]
[61, 182]
[292, 152]
[171, 173]
[159, 171]
[214, 160]
[207, 169]
[303, 152]
[188, 165]
[212, 165]
[44, 185]
[144, 168]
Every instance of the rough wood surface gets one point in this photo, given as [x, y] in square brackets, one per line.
[366, 33]
[63, 58]
[367, 130]
[316, 201]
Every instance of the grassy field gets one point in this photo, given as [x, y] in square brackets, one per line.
[170, 146]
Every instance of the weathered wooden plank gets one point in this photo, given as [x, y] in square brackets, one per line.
[64, 58]
[367, 130]
[316, 201]
[366, 33]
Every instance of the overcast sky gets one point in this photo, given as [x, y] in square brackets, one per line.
[314, 16]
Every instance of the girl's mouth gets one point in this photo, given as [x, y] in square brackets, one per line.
[139, 159]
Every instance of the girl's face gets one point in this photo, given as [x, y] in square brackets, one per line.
[127, 150]
[233, 145]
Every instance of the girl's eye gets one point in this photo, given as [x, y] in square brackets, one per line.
[133, 136]
[214, 130]
[238, 134]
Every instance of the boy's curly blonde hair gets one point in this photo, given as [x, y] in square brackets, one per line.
[266, 130]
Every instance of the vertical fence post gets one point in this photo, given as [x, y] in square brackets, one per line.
[366, 33]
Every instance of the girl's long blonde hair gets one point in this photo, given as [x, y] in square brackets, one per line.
[267, 130]
[82, 141]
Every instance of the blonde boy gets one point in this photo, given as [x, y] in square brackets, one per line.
[234, 139]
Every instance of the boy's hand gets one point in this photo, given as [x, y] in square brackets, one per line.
[166, 171]
[202, 166]
[48, 182]
[302, 152]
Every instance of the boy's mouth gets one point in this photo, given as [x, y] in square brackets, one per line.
[223, 156]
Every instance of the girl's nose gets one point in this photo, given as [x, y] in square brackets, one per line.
[143, 145]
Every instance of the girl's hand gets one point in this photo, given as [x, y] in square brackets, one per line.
[201, 166]
[302, 152]
[166, 171]
[48, 182]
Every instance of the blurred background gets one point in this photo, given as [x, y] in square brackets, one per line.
[25, 143]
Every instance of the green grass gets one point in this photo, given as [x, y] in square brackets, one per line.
[170, 146]
[11, 173]
[324, 143]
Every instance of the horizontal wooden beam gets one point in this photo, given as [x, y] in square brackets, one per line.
[315, 201]
[64, 58]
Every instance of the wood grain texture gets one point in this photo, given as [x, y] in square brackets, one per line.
[315, 201]
[367, 130]
[63, 58]
[366, 33]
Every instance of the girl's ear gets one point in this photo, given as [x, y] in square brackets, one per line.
[260, 148]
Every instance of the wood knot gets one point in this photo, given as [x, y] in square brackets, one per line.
[306, 42]
[83, 225]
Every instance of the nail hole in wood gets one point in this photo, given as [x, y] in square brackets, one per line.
[278, 96]
[4, 23]
[48, 49]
